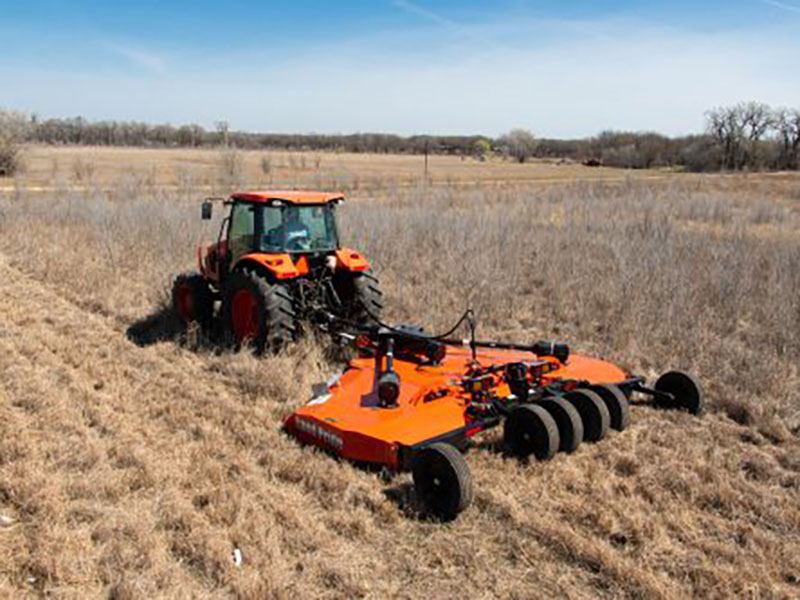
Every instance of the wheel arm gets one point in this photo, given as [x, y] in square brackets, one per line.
[637, 384]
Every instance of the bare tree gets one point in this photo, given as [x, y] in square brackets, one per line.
[223, 129]
[755, 119]
[725, 129]
[739, 131]
[787, 127]
[14, 127]
[519, 143]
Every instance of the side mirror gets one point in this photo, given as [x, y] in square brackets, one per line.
[206, 210]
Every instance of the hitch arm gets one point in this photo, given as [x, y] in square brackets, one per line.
[637, 384]
[539, 348]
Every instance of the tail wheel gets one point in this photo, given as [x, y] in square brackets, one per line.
[192, 299]
[257, 313]
[568, 421]
[617, 404]
[593, 412]
[684, 388]
[530, 429]
[442, 480]
[361, 295]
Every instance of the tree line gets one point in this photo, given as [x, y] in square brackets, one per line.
[79, 131]
[754, 135]
[745, 136]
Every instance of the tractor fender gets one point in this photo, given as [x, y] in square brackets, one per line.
[279, 266]
[351, 260]
[209, 258]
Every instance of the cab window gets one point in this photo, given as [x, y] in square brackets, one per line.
[272, 239]
[240, 237]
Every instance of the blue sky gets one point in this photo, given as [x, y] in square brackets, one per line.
[560, 68]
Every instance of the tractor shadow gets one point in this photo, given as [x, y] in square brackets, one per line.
[164, 325]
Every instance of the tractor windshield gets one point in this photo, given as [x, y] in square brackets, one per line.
[298, 228]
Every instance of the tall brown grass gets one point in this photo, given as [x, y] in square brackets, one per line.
[136, 469]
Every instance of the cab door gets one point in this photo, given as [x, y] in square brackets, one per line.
[242, 231]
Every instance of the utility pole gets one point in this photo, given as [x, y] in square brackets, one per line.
[426, 161]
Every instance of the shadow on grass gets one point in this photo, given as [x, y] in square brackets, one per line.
[405, 498]
[163, 325]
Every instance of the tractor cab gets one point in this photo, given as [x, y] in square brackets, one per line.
[295, 228]
[277, 229]
[277, 261]
[281, 222]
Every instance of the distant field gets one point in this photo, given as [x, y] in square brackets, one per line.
[194, 172]
[134, 458]
[48, 166]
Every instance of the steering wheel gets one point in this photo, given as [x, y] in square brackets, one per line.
[299, 243]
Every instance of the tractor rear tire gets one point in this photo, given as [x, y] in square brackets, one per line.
[442, 480]
[362, 297]
[685, 388]
[529, 429]
[594, 413]
[192, 299]
[616, 403]
[568, 420]
[258, 313]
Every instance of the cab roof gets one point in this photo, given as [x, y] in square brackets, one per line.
[290, 196]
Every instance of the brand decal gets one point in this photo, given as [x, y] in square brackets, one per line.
[323, 435]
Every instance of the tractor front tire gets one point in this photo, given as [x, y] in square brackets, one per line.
[258, 313]
[442, 480]
[192, 299]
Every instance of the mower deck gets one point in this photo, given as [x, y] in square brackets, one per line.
[349, 420]
[410, 402]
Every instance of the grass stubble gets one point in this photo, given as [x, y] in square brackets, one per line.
[135, 469]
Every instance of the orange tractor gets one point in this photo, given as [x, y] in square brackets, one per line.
[411, 402]
[277, 262]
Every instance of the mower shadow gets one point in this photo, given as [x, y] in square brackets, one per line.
[400, 493]
[494, 445]
[405, 498]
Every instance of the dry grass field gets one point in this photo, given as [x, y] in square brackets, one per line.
[135, 459]
[54, 168]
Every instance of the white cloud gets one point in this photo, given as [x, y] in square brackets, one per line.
[783, 5]
[141, 58]
[419, 11]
